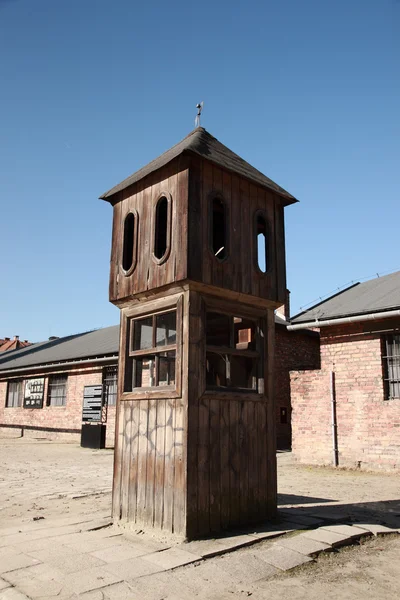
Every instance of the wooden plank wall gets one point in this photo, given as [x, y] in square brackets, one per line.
[173, 179]
[243, 199]
[149, 485]
[231, 466]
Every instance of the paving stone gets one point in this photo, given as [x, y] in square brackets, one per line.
[376, 529]
[37, 581]
[353, 532]
[328, 537]
[122, 552]
[283, 558]
[204, 577]
[17, 561]
[4, 584]
[129, 570]
[12, 594]
[67, 560]
[90, 579]
[9, 551]
[234, 541]
[116, 591]
[171, 558]
[246, 568]
[204, 548]
[150, 587]
[304, 545]
[271, 531]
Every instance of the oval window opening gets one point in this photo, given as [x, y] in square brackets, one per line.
[219, 229]
[129, 242]
[262, 245]
[161, 233]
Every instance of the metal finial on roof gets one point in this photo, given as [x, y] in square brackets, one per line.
[199, 109]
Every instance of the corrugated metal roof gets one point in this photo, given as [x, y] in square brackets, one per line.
[90, 344]
[376, 295]
[202, 143]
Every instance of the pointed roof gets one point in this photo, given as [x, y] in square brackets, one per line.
[202, 143]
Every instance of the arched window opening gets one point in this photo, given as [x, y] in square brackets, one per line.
[129, 244]
[218, 229]
[162, 226]
[262, 244]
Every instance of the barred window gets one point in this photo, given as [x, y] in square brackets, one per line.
[14, 394]
[57, 391]
[110, 375]
[391, 365]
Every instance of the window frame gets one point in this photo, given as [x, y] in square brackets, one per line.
[165, 256]
[20, 393]
[106, 383]
[210, 221]
[258, 353]
[135, 214]
[268, 245]
[386, 356]
[49, 403]
[153, 310]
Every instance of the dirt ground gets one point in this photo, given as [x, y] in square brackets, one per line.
[44, 480]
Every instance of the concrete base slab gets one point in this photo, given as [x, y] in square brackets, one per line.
[13, 594]
[4, 584]
[246, 571]
[283, 558]
[90, 579]
[327, 537]
[171, 558]
[129, 570]
[377, 529]
[304, 545]
[17, 561]
[352, 532]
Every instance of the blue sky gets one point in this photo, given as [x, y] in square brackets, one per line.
[308, 92]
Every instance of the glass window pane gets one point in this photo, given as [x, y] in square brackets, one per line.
[166, 368]
[218, 329]
[143, 334]
[144, 371]
[245, 333]
[166, 329]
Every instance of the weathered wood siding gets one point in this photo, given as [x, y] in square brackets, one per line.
[243, 199]
[231, 469]
[149, 484]
[202, 462]
[142, 197]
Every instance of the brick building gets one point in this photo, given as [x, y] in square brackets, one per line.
[347, 412]
[42, 385]
[7, 344]
[65, 366]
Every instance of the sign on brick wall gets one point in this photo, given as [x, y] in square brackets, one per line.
[33, 394]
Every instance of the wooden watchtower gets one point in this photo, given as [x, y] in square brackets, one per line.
[197, 269]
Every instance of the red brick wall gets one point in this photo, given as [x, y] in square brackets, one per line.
[293, 350]
[56, 418]
[368, 425]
